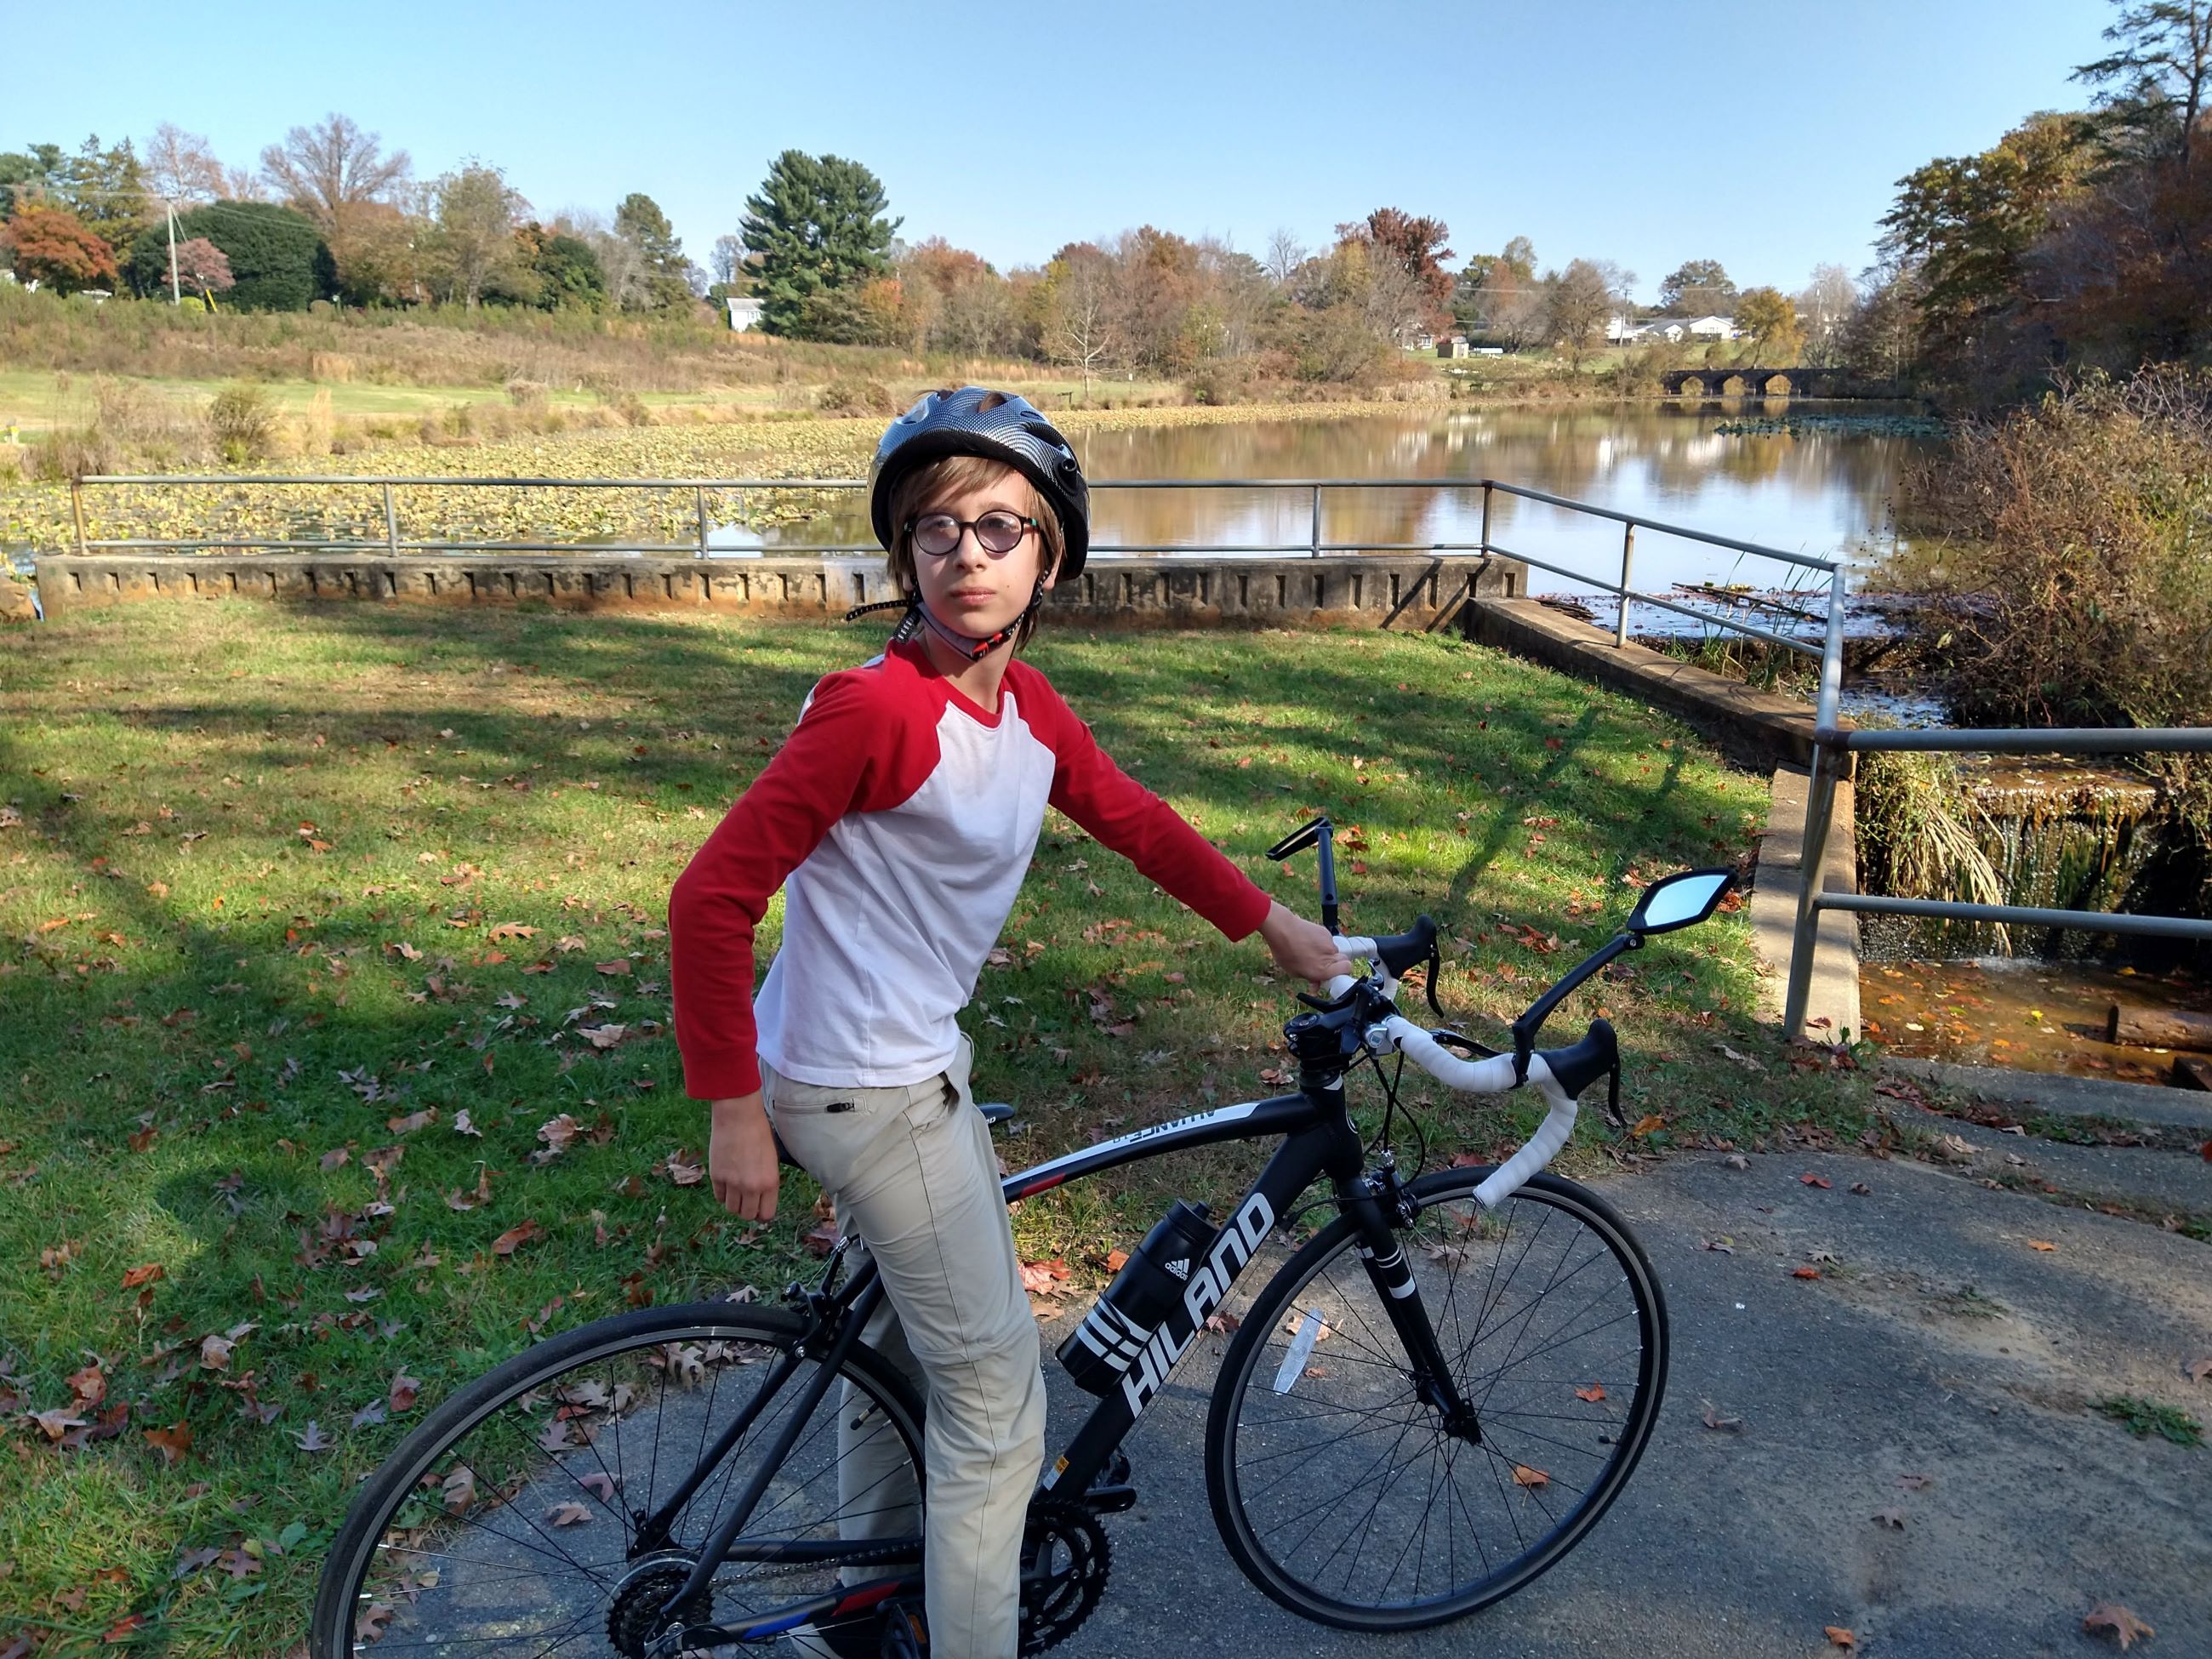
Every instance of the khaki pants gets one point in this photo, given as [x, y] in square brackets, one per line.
[913, 1171]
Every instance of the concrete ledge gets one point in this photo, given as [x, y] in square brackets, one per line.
[1180, 591]
[1754, 728]
[1834, 994]
[2063, 1096]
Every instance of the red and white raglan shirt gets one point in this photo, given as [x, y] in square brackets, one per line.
[899, 820]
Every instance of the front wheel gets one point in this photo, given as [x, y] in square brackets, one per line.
[556, 1505]
[1341, 1494]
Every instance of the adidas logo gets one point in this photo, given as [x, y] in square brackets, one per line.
[1181, 1268]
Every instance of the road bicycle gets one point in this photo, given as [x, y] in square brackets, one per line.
[1431, 1402]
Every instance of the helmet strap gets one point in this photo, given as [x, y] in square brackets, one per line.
[918, 617]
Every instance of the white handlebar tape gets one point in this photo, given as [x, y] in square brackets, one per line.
[1491, 1077]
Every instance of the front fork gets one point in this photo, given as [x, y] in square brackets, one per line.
[1374, 1200]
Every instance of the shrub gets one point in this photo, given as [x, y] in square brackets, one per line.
[278, 259]
[851, 394]
[49, 246]
[241, 422]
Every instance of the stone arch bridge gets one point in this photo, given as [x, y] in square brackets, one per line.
[1735, 381]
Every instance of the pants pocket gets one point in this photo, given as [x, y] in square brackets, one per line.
[827, 1130]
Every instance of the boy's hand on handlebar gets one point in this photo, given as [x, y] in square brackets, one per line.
[1302, 947]
[741, 1158]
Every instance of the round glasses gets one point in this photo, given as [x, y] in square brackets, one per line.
[998, 532]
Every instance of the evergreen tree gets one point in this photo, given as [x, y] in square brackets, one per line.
[819, 227]
[640, 222]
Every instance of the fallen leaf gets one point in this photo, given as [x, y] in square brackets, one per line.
[515, 1237]
[1532, 1479]
[1811, 1180]
[1916, 1482]
[172, 1443]
[373, 1618]
[412, 1121]
[568, 1515]
[462, 1126]
[1714, 1420]
[134, 1277]
[2040, 1244]
[1595, 1392]
[507, 930]
[2200, 1368]
[122, 1629]
[1893, 1519]
[1043, 1278]
[458, 1489]
[1647, 1126]
[56, 1423]
[1840, 1636]
[313, 1439]
[2111, 1618]
[1116, 1260]
[405, 1389]
[681, 1171]
[89, 1385]
[601, 1484]
[336, 1159]
[214, 1352]
[1804, 1273]
[619, 966]
[602, 1036]
[822, 1240]
[370, 1415]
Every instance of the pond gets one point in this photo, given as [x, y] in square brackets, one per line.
[1821, 487]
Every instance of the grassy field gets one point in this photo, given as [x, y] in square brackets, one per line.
[335, 1051]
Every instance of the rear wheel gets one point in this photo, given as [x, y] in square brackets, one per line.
[1339, 1493]
[509, 1525]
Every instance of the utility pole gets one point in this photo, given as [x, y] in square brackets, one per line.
[176, 294]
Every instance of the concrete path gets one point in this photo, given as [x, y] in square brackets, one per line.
[1939, 1344]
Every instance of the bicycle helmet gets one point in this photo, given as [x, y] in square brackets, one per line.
[971, 420]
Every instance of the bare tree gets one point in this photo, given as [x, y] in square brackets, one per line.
[1078, 311]
[621, 260]
[1285, 253]
[1824, 309]
[327, 171]
[728, 258]
[182, 168]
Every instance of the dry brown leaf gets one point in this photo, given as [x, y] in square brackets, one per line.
[1916, 1482]
[405, 1389]
[412, 1121]
[1595, 1392]
[1811, 1180]
[507, 930]
[620, 965]
[1116, 1260]
[172, 1443]
[602, 1486]
[1804, 1273]
[515, 1237]
[214, 1352]
[1713, 1419]
[1532, 1479]
[336, 1159]
[568, 1515]
[2040, 1244]
[1893, 1519]
[2109, 1618]
[458, 1489]
[2200, 1368]
[134, 1277]
[1840, 1636]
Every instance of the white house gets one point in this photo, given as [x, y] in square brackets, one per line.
[1621, 332]
[744, 314]
[1713, 328]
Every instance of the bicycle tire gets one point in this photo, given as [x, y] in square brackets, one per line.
[1257, 1461]
[355, 1578]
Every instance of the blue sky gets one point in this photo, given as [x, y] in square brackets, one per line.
[1767, 135]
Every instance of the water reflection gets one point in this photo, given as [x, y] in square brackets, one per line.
[1825, 493]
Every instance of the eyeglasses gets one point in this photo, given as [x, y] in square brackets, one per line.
[998, 532]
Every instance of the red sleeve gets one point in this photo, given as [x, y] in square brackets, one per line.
[856, 749]
[1135, 823]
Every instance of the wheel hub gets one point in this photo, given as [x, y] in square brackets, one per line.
[634, 1619]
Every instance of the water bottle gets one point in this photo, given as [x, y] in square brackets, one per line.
[1112, 1335]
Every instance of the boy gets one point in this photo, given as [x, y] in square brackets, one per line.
[899, 819]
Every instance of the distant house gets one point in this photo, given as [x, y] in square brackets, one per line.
[1621, 330]
[1711, 328]
[1455, 346]
[744, 314]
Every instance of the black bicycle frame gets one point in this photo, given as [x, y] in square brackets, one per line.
[1318, 1139]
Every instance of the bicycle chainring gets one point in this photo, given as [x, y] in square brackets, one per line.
[1065, 1561]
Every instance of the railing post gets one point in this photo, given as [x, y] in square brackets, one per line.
[1628, 558]
[76, 511]
[1486, 517]
[1316, 540]
[702, 520]
[1828, 762]
[391, 522]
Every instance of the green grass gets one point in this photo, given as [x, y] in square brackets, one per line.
[256, 894]
[2143, 1417]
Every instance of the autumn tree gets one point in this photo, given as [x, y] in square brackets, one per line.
[475, 219]
[1578, 300]
[1077, 301]
[203, 269]
[1416, 246]
[181, 169]
[817, 225]
[1768, 320]
[51, 247]
[332, 172]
